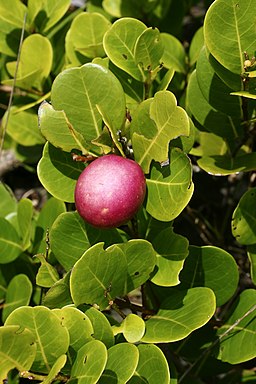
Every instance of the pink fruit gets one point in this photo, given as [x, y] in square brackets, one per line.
[110, 191]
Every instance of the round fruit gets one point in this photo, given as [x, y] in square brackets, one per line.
[110, 191]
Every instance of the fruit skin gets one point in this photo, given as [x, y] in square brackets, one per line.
[110, 191]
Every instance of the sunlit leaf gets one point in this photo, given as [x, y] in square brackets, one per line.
[180, 314]
[18, 293]
[52, 339]
[17, 349]
[170, 187]
[229, 32]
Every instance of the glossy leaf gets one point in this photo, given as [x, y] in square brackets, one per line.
[89, 95]
[25, 213]
[152, 366]
[244, 218]
[180, 314]
[90, 363]
[50, 211]
[59, 294]
[206, 115]
[229, 32]
[140, 258]
[196, 45]
[47, 274]
[78, 325]
[103, 270]
[172, 249]
[238, 345]
[227, 165]
[17, 349]
[11, 26]
[46, 13]
[86, 34]
[148, 49]
[102, 328]
[71, 236]
[52, 339]
[35, 63]
[157, 121]
[10, 243]
[62, 134]
[132, 327]
[251, 250]
[122, 361]
[8, 203]
[170, 187]
[215, 91]
[174, 56]
[18, 293]
[56, 368]
[23, 127]
[119, 43]
[211, 267]
[59, 173]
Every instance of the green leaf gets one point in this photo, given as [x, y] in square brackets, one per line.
[59, 294]
[140, 257]
[132, 327]
[18, 293]
[152, 367]
[172, 249]
[180, 314]
[216, 92]
[9, 242]
[23, 127]
[46, 13]
[90, 363]
[196, 46]
[35, 63]
[226, 165]
[119, 44]
[8, 203]
[61, 133]
[56, 368]
[71, 236]
[244, 218]
[238, 345]
[50, 211]
[157, 121]
[78, 325]
[206, 115]
[248, 94]
[174, 56]
[148, 49]
[24, 215]
[86, 34]
[251, 251]
[104, 270]
[122, 361]
[59, 173]
[51, 337]
[47, 274]
[170, 187]
[17, 349]
[11, 26]
[102, 329]
[88, 95]
[229, 32]
[211, 267]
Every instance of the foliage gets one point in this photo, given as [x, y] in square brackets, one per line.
[169, 297]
